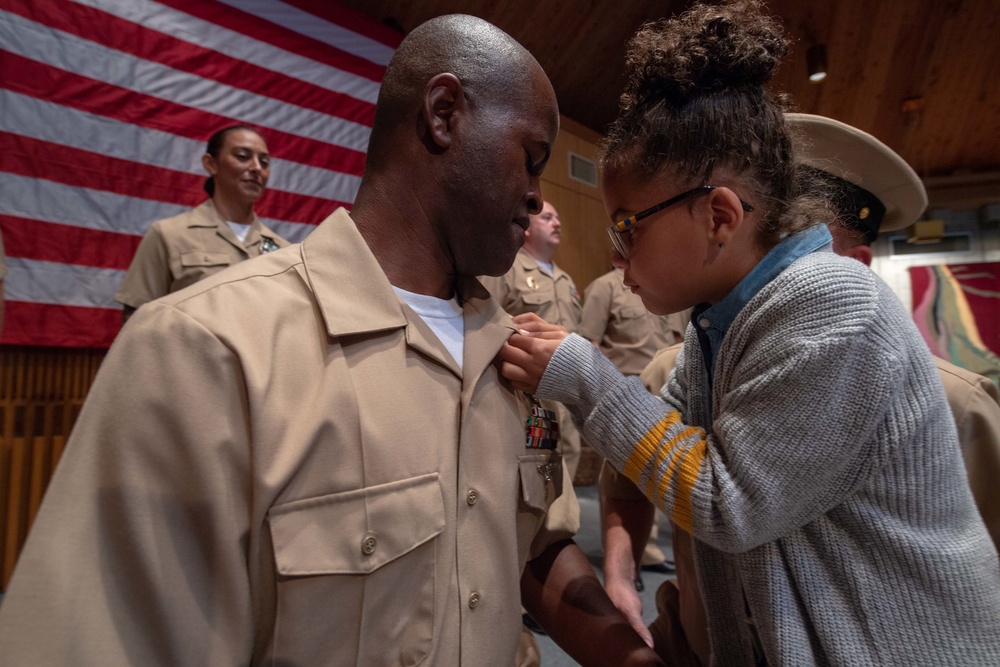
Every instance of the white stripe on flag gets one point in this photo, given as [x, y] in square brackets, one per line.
[73, 54]
[48, 121]
[61, 284]
[319, 29]
[35, 199]
[191, 29]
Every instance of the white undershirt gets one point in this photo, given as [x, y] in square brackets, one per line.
[443, 316]
[546, 267]
[239, 229]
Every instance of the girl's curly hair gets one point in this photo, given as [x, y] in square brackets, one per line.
[695, 103]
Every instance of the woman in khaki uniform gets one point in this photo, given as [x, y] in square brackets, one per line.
[224, 230]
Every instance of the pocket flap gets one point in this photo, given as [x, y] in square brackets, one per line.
[629, 313]
[536, 298]
[203, 258]
[541, 478]
[356, 532]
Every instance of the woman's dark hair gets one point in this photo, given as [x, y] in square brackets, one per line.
[214, 147]
[695, 104]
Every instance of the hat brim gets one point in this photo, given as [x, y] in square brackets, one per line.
[861, 159]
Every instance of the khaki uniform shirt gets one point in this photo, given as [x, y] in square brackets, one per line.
[282, 465]
[627, 333]
[180, 251]
[975, 404]
[528, 289]
[525, 288]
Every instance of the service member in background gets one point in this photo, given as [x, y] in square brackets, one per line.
[221, 231]
[536, 284]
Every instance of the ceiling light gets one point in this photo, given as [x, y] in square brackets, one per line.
[816, 62]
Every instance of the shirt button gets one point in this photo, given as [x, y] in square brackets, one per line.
[472, 497]
[368, 544]
[473, 600]
[704, 322]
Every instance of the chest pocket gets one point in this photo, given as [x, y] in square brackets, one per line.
[537, 301]
[197, 265]
[349, 566]
[541, 477]
[631, 313]
[198, 259]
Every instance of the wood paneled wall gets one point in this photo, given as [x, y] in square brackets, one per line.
[41, 392]
[585, 252]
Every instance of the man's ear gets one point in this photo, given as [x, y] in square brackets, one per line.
[210, 164]
[727, 215]
[444, 100]
[860, 252]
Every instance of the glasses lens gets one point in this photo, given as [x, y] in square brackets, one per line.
[618, 242]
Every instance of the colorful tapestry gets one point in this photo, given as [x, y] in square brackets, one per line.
[957, 309]
[105, 107]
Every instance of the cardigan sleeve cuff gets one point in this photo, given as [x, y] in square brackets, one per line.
[578, 375]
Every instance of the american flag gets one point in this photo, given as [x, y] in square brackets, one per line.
[105, 108]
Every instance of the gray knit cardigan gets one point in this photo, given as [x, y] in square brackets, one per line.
[828, 497]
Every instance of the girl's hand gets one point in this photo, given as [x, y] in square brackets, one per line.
[526, 354]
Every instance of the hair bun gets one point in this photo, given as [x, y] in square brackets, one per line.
[706, 49]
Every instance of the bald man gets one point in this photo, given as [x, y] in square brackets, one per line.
[310, 459]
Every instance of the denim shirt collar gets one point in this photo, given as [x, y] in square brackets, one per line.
[712, 322]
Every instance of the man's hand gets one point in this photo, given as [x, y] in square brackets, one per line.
[526, 354]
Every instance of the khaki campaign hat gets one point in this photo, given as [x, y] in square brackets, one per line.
[878, 190]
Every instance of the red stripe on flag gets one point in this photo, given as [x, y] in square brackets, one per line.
[128, 37]
[72, 166]
[289, 40]
[52, 84]
[59, 326]
[350, 19]
[35, 158]
[65, 244]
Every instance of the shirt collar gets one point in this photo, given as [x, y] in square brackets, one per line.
[711, 323]
[780, 257]
[354, 293]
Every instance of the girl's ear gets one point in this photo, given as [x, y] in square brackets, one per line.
[727, 215]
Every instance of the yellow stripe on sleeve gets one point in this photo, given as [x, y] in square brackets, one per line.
[660, 486]
[646, 447]
[686, 478]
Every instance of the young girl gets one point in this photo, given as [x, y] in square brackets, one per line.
[804, 439]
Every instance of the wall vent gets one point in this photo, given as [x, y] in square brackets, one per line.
[583, 170]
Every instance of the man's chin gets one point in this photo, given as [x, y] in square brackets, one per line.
[498, 265]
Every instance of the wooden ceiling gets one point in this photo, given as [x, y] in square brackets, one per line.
[935, 58]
